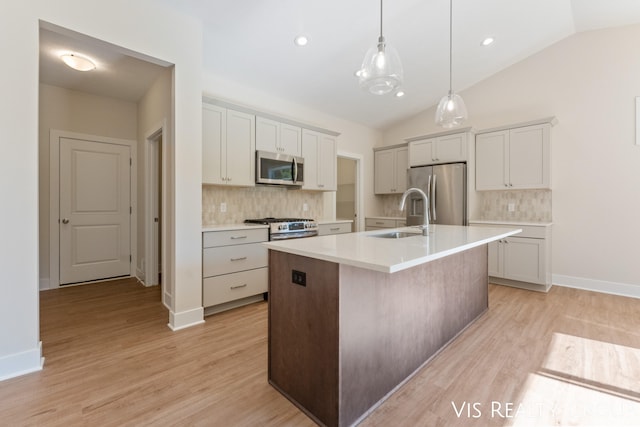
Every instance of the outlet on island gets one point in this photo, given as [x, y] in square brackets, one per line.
[223, 207]
[299, 277]
[511, 207]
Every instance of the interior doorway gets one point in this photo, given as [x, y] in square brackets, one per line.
[154, 206]
[349, 191]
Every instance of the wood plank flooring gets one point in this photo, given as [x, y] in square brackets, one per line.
[569, 357]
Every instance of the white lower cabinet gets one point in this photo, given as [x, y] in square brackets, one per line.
[524, 260]
[334, 228]
[234, 268]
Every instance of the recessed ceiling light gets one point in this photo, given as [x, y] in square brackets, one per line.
[78, 62]
[399, 94]
[301, 40]
[487, 41]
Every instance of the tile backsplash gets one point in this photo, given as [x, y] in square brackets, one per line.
[530, 205]
[257, 202]
[391, 205]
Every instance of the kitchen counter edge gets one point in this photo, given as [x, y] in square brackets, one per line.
[390, 255]
[230, 227]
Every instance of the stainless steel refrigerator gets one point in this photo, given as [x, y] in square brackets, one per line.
[446, 188]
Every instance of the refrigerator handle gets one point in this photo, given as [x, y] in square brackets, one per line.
[433, 200]
[427, 209]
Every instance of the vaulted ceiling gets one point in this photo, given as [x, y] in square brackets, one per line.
[250, 42]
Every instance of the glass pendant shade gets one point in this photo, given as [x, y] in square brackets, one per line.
[381, 70]
[451, 111]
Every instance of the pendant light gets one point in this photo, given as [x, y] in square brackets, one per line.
[451, 111]
[381, 70]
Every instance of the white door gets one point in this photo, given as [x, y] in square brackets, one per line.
[95, 209]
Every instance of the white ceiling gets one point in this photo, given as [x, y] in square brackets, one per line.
[251, 42]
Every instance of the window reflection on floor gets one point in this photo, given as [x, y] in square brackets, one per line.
[583, 382]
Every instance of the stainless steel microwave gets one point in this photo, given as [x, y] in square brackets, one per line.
[279, 169]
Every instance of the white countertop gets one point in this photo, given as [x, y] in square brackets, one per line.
[510, 223]
[334, 221]
[392, 255]
[395, 218]
[229, 227]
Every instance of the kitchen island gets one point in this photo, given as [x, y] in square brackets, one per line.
[353, 316]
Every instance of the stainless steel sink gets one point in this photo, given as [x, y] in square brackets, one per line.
[395, 235]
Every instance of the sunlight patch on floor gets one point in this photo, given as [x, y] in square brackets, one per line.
[582, 382]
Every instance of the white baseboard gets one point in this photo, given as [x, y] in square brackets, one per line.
[45, 283]
[186, 319]
[14, 365]
[623, 289]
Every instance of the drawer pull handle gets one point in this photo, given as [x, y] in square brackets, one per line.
[335, 229]
[379, 223]
[238, 237]
[239, 286]
[239, 259]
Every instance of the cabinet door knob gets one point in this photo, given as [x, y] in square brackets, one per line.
[65, 220]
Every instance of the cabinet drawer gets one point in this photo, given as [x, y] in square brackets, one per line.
[234, 237]
[230, 259]
[229, 287]
[324, 229]
[380, 223]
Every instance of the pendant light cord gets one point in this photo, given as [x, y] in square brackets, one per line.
[381, 37]
[450, 46]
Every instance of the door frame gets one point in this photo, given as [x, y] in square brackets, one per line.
[54, 198]
[151, 199]
[359, 159]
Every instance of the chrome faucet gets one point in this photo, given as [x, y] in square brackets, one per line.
[425, 204]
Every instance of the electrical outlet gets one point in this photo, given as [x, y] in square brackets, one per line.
[305, 207]
[511, 207]
[299, 277]
[223, 207]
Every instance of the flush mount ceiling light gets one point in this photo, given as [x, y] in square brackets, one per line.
[301, 40]
[78, 62]
[381, 70]
[487, 41]
[451, 111]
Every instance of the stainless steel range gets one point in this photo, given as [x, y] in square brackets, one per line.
[287, 228]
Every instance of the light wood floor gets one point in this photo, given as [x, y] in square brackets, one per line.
[566, 358]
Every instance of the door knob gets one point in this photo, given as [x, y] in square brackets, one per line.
[65, 220]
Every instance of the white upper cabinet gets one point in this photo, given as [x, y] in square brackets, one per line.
[228, 146]
[278, 137]
[390, 170]
[516, 158]
[433, 150]
[320, 161]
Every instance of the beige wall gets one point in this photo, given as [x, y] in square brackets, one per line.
[588, 81]
[154, 111]
[118, 23]
[72, 111]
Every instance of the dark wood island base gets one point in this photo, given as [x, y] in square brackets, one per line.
[347, 338]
